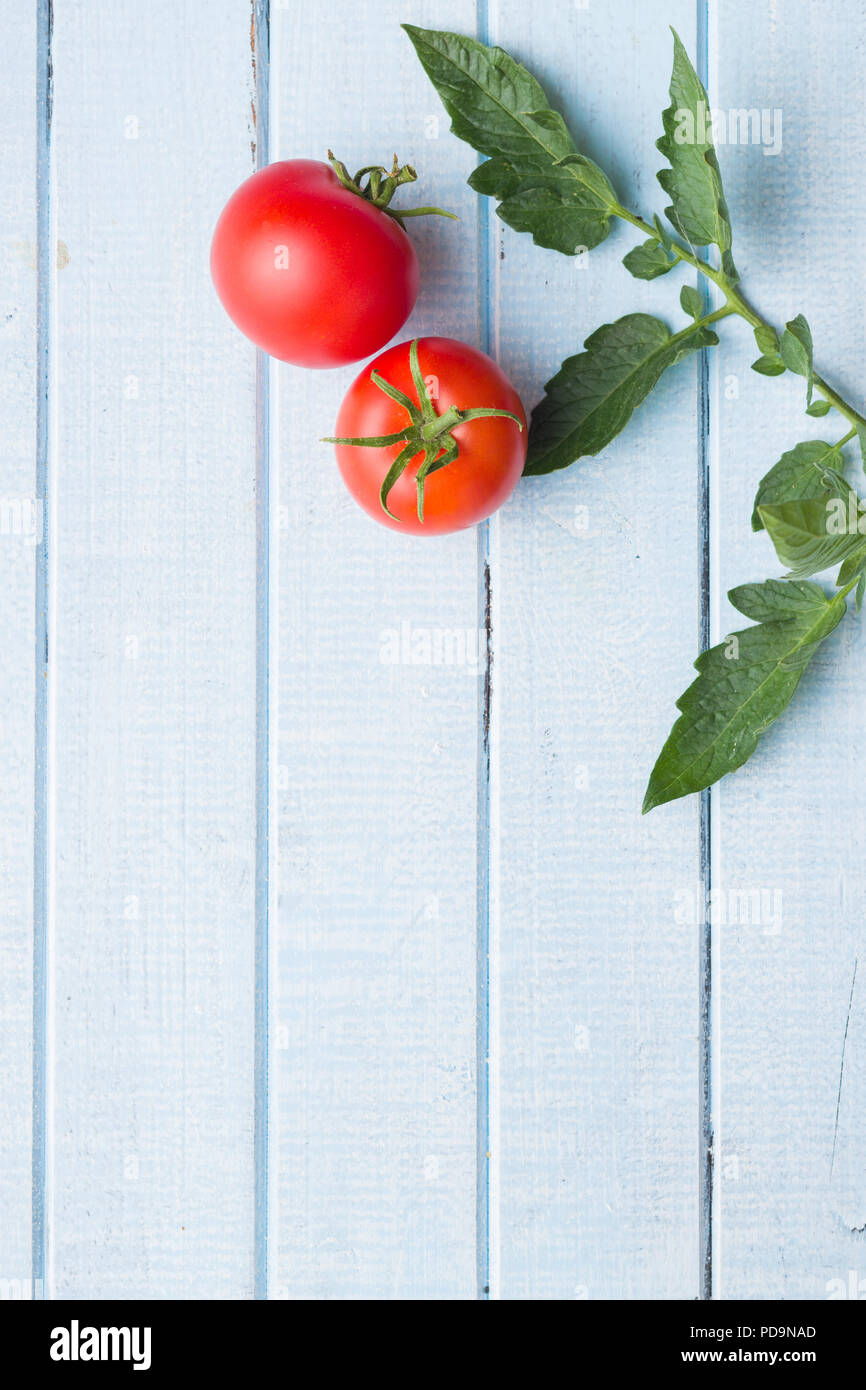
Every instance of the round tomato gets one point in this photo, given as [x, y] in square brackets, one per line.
[314, 270]
[431, 437]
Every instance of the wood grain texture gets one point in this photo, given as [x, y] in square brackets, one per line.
[595, 975]
[377, 1004]
[19, 532]
[152, 1185]
[791, 1203]
[373, 1055]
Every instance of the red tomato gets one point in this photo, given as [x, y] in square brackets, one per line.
[491, 451]
[314, 273]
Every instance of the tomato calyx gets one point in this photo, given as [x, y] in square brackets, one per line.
[381, 186]
[427, 433]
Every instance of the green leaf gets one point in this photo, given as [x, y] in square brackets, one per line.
[543, 184]
[691, 301]
[796, 351]
[590, 175]
[852, 567]
[807, 470]
[861, 440]
[776, 600]
[811, 535]
[768, 366]
[767, 339]
[664, 238]
[743, 685]
[554, 215]
[496, 178]
[860, 591]
[693, 182]
[648, 260]
[819, 408]
[593, 395]
[548, 119]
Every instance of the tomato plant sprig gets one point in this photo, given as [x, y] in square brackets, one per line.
[426, 433]
[545, 186]
[381, 186]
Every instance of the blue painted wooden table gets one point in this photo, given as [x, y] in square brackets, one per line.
[310, 988]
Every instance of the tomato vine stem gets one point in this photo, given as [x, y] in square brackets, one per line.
[736, 304]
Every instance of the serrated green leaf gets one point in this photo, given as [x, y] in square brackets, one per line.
[555, 216]
[860, 591]
[495, 178]
[774, 600]
[767, 339]
[853, 566]
[664, 237]
[807, 470]
[819, 408]
[693, 182]
[795, 350]
[691, 301]
[593, 394]
[812, 534]
[549, 119]
[768, 366]
[861, 440]
[648, 260]
[743, 685]
[590, 176]
[543, 184]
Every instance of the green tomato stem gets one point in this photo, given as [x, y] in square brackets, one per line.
[381, 186]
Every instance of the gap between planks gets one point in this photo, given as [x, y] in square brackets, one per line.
[708, 599]
[266, 695]
[41, 1272]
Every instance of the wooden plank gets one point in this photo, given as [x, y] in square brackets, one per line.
[373, 1051]
[19, 534]
[791, 1133]
[595, 1108]
[152, 1183]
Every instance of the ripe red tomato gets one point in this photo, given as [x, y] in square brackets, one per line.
[451, 382]
[313, 272]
